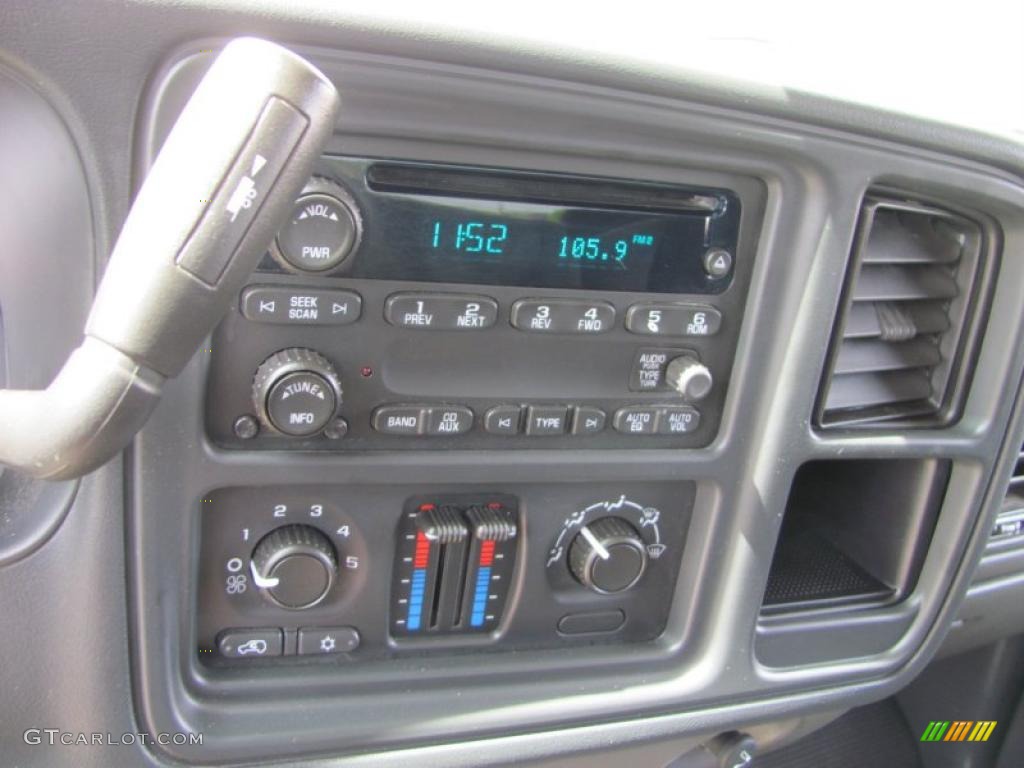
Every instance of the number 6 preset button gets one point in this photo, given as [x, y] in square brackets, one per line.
[562, 316]
[673, 319]
[441, 311]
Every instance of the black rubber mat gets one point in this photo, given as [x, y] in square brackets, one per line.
[807, 568]
[876, 736]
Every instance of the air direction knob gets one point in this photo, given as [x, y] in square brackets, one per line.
[608, 556]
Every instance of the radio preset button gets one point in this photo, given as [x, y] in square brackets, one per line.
[503, 420]
[300, 306]
[399, 419]
[449, 420]
[563, 316]
[678, 420]
[673, 320]
[636, 420]
[441, 312]
[546, 419]
[588, 420]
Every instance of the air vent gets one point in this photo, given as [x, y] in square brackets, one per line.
[901, 337]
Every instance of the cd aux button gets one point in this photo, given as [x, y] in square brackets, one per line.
[449, 420]
[441, 312]
[673, 320]
[562, 316]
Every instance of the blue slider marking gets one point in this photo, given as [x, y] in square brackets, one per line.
[483, 583]
[419, 583]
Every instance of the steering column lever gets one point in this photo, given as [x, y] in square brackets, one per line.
[223, 183]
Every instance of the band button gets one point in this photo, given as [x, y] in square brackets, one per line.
[399, 419]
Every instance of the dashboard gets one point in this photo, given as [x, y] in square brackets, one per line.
[573, 413]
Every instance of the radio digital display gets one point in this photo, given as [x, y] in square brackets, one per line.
[461, 227]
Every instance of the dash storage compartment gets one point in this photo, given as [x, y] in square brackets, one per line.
[854, 531]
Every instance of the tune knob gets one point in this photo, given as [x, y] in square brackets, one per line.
[323, 230]
[297, 391]
[295, 565]
[689, 377]
[608, 555]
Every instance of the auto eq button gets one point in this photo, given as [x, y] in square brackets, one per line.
[636, 420]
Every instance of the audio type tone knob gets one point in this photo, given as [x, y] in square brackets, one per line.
[323, 231]
[689, 377]
[295, 565]
[297, 391]
[608, 555]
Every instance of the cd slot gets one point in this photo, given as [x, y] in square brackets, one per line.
[540, 188]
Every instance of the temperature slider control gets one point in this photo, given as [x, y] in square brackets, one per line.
[454, 567]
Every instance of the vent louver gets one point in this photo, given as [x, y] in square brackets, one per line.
[897, 346]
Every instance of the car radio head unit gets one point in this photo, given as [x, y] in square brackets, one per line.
[404, 302]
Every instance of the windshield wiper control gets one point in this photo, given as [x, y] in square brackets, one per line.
[223, 184]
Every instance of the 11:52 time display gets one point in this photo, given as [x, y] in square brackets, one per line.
[470, 236]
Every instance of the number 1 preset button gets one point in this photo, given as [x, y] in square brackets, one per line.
[562, 316]
[441, 312]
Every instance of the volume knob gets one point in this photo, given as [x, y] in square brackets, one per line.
[296, 391]
[689, 377]
[323, 231]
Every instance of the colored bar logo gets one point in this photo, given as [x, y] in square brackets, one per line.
[959, 730]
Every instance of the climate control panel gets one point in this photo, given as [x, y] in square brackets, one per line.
[364, 572]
